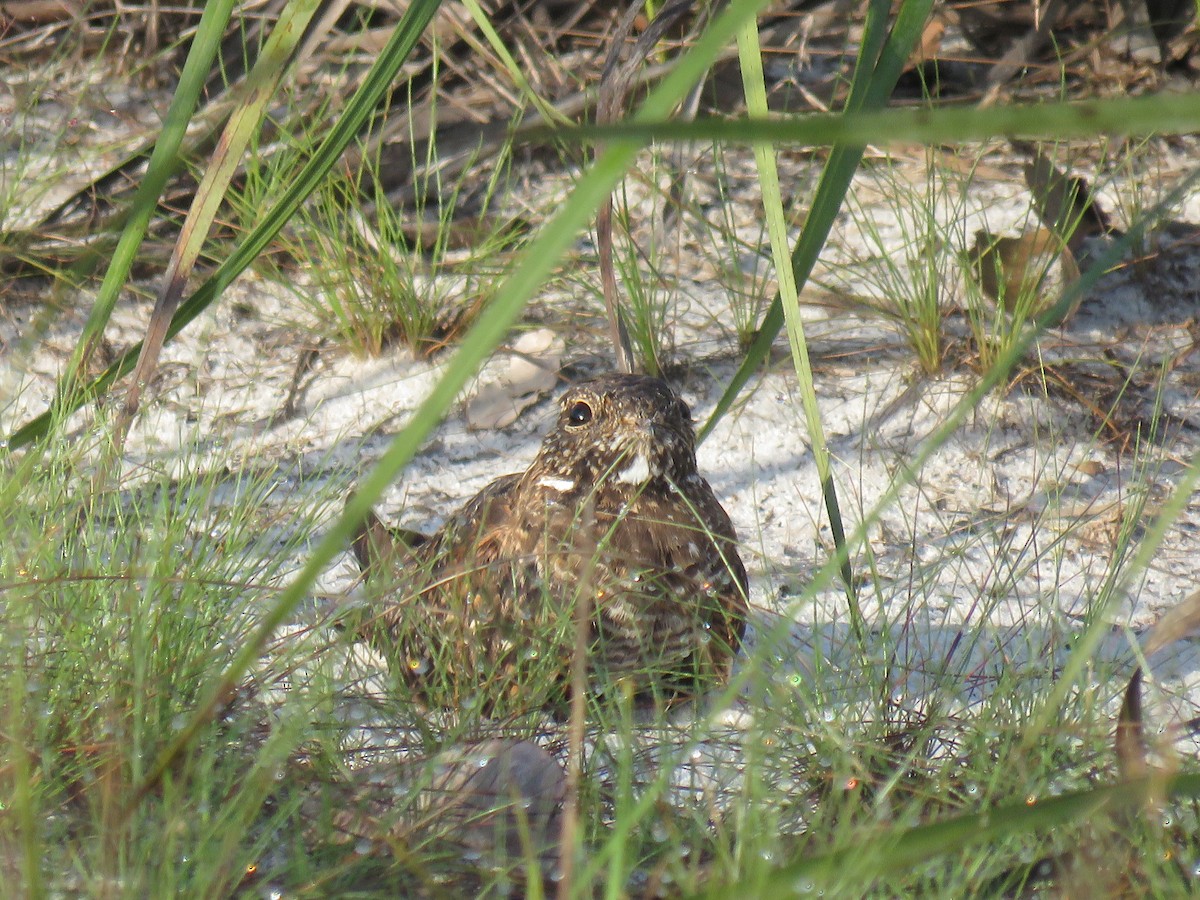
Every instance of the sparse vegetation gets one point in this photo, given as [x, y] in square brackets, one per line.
[184, 714]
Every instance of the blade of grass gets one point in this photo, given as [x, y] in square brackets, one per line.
[901, 851]
[874, 79]
[750, 55]
[163, 162]
[1158, 114]
[484, 24]
[22, 800]
[533, 267]
[246, 119]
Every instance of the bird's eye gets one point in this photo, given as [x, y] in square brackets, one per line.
[580, 413]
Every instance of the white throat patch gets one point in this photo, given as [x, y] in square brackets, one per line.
[562, 485]
[636, 472]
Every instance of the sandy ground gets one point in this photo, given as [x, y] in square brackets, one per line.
[1005, 536]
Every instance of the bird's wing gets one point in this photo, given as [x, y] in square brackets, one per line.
[470, 533]
[454, 625]
[381, 549]
[475, 534]
[431, 571]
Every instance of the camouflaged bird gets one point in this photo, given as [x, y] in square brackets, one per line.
[612, 514]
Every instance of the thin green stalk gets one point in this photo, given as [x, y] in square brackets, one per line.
[22, 814]
[1158, 114]
[484, 24]
[163, 162]
[750, 54]
[874, 79]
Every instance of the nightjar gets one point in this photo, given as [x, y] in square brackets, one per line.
[612, 513]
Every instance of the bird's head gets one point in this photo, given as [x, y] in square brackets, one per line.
[617, 429]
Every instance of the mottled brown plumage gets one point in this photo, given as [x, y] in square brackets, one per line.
[611, 513]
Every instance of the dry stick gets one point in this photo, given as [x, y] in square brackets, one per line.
[617, 332]
[615, 80]
[1066, 204]
[308, 356]
[320, 31]
[612, 92]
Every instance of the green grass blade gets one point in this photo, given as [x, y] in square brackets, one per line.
[750, 56]
[873, 84]
[900, 851]
[164, 160]
[484, 24]
[1150, 114]
[261, 85]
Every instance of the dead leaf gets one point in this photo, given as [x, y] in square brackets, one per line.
[1177, 623]
[1030, 272]
[1130, 742]
[930, 43]
[1064, 203]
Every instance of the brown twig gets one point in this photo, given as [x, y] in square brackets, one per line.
[308, 356]
[615, 80]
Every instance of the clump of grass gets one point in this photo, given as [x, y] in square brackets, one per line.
[677, 205]
[368, 289]
[910, 277]
[649, 303]
[116, 618]
[373, 274]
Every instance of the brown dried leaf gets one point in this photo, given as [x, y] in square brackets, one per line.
[1064, 203]
[1035, 268]
[1130, 744]
[931, 40]
[1176, 624]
